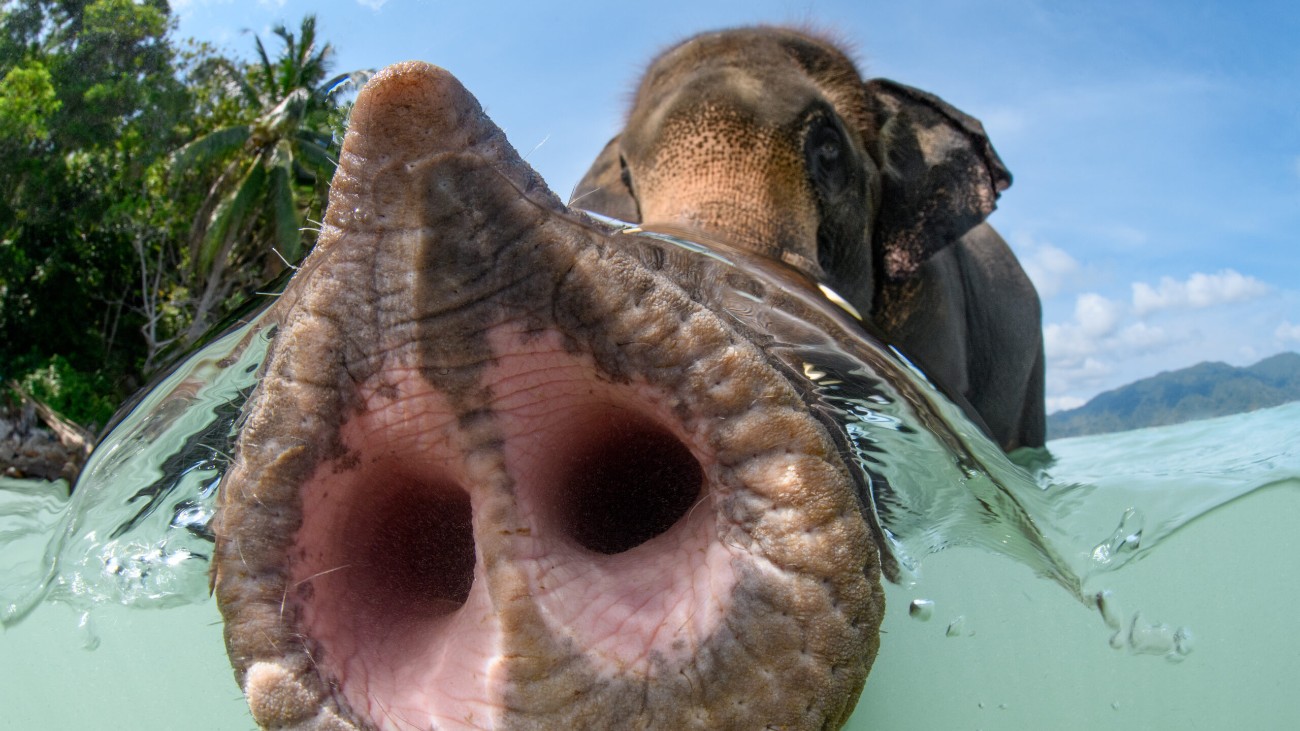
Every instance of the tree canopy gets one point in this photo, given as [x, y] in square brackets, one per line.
[149, 186]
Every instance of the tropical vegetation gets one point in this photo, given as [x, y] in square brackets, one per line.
[149, 186]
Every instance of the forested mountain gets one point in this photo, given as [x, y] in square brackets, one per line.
[1202, 391]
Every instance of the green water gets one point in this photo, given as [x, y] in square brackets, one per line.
[1185, 530]
[1023, 653]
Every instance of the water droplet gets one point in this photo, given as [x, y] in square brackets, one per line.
[1184, 641]
[1124, 542]
[921, 609]
[363, 216]
[1115, 705]
[89, 637]
[956, 627]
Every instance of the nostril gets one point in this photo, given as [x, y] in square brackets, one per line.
[630, 481]
[424, 546]
[414, 544]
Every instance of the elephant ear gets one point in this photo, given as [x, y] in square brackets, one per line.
[603, 189]
[940, 176]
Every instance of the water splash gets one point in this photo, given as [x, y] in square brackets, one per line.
[136, 529]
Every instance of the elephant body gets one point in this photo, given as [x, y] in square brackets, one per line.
[970, 320]
[771, 140]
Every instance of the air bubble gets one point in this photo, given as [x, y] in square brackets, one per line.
[956, 627]
[921, 609]
[1150, 639]
[1113, 616]
[1109, 608]
[1173, 643]
[1124, 542]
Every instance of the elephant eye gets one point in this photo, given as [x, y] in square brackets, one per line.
[826, 151]
[624, 173]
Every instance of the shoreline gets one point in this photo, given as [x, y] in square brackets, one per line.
[35, 443]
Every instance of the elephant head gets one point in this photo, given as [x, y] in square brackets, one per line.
[769, 139]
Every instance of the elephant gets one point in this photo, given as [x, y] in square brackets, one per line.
[505, 467]
[509, 466]
[770, 139]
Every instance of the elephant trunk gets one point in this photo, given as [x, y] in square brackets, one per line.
[499, 474]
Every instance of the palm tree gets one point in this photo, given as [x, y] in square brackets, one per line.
[275, 166]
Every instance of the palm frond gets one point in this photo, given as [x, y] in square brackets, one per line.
[229, 218]
[288, 229]
[209, 148]
[314, 157]
[307, 61]
[219, 191]
[235, 78]
[267, 68]
[286, 115]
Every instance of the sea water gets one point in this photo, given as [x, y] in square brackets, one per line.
[1142, 579]
[996, 647]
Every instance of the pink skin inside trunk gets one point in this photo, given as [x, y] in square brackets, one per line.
[596, 505]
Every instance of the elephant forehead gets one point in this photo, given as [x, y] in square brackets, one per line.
[767, 94]
[777, 70]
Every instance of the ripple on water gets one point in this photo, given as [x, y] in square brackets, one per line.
[135, 531]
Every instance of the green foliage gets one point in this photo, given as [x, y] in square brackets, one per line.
[1202, 391]
[144, 187]
[90, 99]
[274, 167]
[85, 398]
[27, 101]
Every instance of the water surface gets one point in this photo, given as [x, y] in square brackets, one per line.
[993, 618]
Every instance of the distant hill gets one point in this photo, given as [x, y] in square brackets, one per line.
[1203, 391]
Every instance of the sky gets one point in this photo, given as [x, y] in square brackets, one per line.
[1155, 145]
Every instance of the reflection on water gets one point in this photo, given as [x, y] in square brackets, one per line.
[135, 531]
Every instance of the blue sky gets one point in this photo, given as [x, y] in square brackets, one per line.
[1155, 145]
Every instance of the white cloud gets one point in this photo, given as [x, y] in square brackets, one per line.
[1141, 337]
[1196, 292]
[1286, 330]
[1111, 341]
[1070, 344]
[1095, 315]
[372, 4]
[1048, 266]
[1063, 403]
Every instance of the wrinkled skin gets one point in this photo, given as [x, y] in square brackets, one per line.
[498, 473]
[770, 139]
